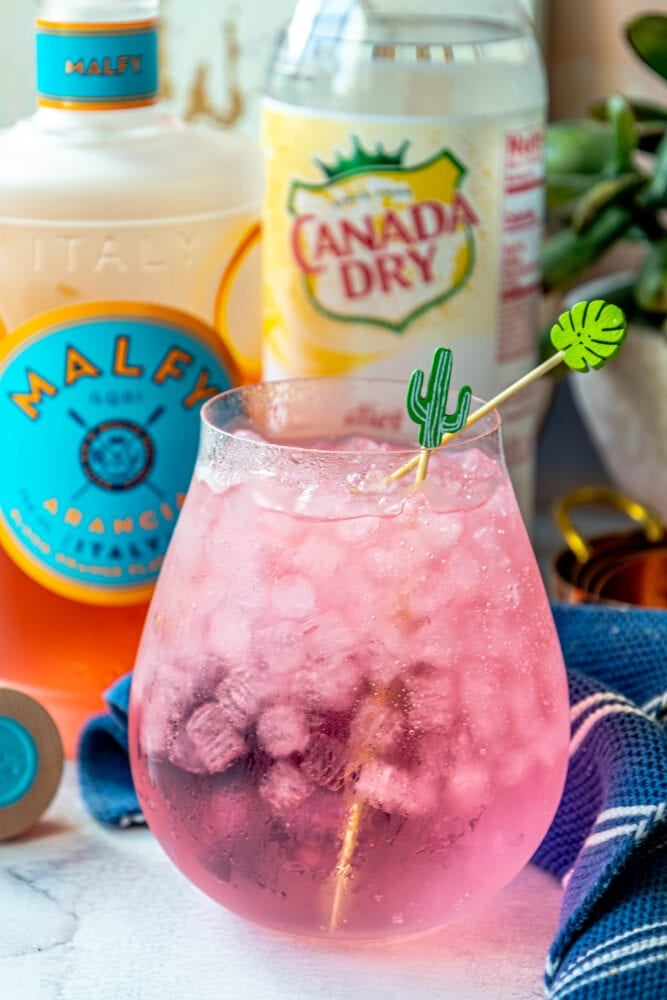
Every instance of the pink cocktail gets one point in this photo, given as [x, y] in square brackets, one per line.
[349, 712]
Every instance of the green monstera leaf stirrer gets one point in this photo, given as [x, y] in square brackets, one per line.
[586, 337]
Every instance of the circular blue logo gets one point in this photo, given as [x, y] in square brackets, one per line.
[99, 429]
[19, 761]
[117, 454]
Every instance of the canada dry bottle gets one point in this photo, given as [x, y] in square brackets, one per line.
[128, 274]
[404, 196]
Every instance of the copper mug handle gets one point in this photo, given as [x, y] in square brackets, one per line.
[602, 496]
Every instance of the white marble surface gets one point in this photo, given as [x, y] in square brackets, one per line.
[89, 913]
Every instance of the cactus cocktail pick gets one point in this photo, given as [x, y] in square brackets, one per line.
[586, 337]
[430, 410]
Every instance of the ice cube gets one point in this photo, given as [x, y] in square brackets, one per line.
[230, 636]
[440, 532]
[330, 632]
[432, 697]
[384, 665]
[397, 560]
[377, 726]
[334, 668]
[224, 811]
[330, 682]
[181, 753]
[281, 528]
[246, 689]
[283, 787]
[359, 443]
[325, 762]
[292, 596]
[514, 766]
[484, 701]
[318, 556]
[550, 748]
[283, 730]
[395, 790]
[357, 530]
[279, 647]
[208, 743]
[523, 707]
[236, 699]
[466, 791]
[436, 641]
[171, 695]
[462, 576]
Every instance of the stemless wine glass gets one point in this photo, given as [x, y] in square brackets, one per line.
[349, 712]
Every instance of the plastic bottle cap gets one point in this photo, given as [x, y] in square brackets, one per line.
[31, 762]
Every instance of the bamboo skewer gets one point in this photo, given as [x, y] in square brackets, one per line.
[344, 867]
[353, 820]
[422, 459]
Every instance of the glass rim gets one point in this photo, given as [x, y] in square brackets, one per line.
[488, 426]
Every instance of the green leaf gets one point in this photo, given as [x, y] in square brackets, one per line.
[648, 37]
[644, 111]
[563, 189]
[601, 195]
[651, 135]
[578, 147]
[590, 334]
[567, 254]
[651, 284]
[625, 136]
[655, 195]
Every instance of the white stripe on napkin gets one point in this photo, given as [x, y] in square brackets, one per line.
[595, 699]
[588, 724]
[594, 971]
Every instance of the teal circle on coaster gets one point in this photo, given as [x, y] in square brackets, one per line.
[19, 761]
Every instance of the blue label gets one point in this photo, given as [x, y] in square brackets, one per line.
[114, 65]
[19, 761]
[99, 428]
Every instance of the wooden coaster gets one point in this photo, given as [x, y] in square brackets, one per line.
[31, 762]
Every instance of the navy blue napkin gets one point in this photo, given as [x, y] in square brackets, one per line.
[608, 841]
[104, 765]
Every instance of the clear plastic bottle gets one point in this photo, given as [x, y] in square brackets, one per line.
[404, 196]
[129, 282]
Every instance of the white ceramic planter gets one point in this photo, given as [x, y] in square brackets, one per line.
[624, 409]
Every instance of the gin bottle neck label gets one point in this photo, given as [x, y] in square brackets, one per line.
[97, 67]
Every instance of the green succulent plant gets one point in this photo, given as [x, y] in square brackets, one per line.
[607, 183]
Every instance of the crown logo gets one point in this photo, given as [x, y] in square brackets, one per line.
[362, 160]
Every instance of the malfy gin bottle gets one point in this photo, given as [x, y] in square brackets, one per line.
[129, 287]
[404, 196]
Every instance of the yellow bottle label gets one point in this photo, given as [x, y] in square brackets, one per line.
[384, 237]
